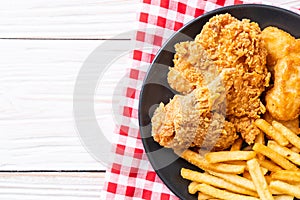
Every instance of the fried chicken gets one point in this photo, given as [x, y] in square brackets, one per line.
[192, 67]
[188, 120]
[236, 49]
[283, 99]
[233, 52]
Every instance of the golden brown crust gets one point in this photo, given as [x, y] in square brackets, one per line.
[188, 121]
[233, 50]
[283, 99]
[278, 44]
[237, 45]
[190, 61]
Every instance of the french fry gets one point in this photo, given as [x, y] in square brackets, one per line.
[220, 181]
[235, 179]
[288, 176]
[199, 161]
[202, 196]
[223, 156]
[271, 132]
[274, 156]
[260, 138]
[268, 179]
[290, 135]
[237, 162]
[192, 188]
[222, 194]
[269, 165]
[284, 197]
[285, 188]
[214, 181]
[259, 180]
[237, 145]
[295, 149]
[264, 170]
[246, 175]
[285, 152]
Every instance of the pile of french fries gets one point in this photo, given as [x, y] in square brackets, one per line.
[268, 169]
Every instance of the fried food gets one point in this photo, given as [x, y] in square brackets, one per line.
[199, 161]
[223, 156]
[235, 179]
[192, 68]
[285, 188]
[234, 49]
[263, 177]
[236, 44]
[214, 181]
[187, 121]
[271, 132]
[285, 152]
[278, 44]
[283, 60]
[236, 53]
[286, 132]
[259, 180]
[274, 156]
[286, 175]
[291, 124]
[222, 194]
[283, 100]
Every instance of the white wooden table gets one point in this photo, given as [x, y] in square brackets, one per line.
[43, 44]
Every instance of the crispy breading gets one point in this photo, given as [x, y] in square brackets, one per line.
[236, 44]
[291, 124]
[187, 121]
[192, 67]
[226, 48]
[283, 99]
[278, 44]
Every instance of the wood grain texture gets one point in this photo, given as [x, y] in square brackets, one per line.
[51, 186]
[98, 19]
[37, 81]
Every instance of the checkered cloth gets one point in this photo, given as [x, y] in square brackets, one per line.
[130, 175]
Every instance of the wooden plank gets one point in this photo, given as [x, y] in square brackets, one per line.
[77, 19]
[36, 115]
[45, 186]
[98, 19]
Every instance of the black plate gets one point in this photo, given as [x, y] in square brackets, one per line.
[155, 88]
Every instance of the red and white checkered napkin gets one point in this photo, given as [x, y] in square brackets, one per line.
[131, 176]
